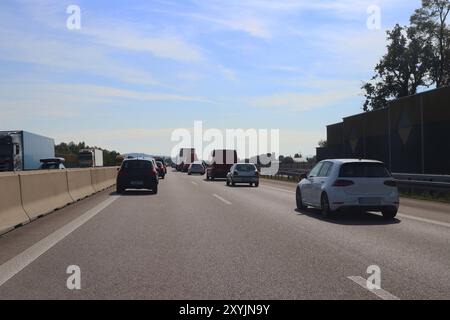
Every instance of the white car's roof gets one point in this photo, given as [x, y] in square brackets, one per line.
[353, 160]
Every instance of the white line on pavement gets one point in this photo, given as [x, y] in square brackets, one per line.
[194, 183]
[383, 294]
[444, 224]
[222, 199]
[10, 268]
[279, 189]
[438, 223]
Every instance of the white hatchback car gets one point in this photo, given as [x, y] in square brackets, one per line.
[334, 185]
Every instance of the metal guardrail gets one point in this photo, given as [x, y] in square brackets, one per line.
[439, 183]
[435, 183]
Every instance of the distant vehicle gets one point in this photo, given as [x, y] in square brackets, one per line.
[334, 185]
[163, 163]
[90, 158]
[243, 173]
[21, 150]
[52, 164]
[196, 167]
[161, 170]
[119, 160]
[70, 160]
[137, 174]
[185, 157]
[221, 162]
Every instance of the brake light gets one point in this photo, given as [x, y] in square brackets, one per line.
[256, 173]
[390, 183]
[343, 183]
[154, 173]
[122, 173]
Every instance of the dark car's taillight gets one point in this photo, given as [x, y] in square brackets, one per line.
[343, 183]
[122, 174]
[390, 183]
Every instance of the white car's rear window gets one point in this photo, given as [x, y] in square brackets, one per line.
[245, 167]
[364, 170]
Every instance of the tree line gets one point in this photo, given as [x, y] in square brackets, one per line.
[70, 151]
[418, 55]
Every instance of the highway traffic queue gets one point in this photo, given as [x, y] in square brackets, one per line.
[332, 186]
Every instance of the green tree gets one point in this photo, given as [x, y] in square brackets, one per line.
[401, 71]
[430, 23]
[72, 149]
[323, 143]
[288, 160]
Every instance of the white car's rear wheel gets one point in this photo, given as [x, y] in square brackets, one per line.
[299, 200]
[325, 205]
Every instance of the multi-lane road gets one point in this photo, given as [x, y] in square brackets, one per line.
[197, 239]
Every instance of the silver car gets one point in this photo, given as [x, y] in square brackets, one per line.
[243, 173]
[196, 167]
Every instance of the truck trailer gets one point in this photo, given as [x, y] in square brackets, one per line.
[22, 150]
[90, 158]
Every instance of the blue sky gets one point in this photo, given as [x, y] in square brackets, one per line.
[138, 69]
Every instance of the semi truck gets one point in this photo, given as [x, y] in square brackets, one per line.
[90, 158]
[22, 150]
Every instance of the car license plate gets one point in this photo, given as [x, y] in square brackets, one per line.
[369, 201]
[137, 183]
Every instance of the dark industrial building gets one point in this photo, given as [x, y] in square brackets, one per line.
[412, 135]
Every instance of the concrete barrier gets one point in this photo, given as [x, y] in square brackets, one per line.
[11, 210]
[79, 182]
[44, 191]
[103, 178]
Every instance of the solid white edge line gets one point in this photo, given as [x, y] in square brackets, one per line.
[438, 223]
[444, 224]
[278, 189]
[12, 267]
[383, 294]
[222, 199]
[194, 183]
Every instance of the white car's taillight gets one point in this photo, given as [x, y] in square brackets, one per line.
[343, 183]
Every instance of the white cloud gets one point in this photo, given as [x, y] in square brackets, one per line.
[299, 101]
[67, 56]
[312, 93]
[161, 46]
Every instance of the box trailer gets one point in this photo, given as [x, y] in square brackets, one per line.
[22, 150]
[90, 158]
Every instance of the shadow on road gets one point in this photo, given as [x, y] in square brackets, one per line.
[242, 186]
[351, 218]
[216, 180]
[130, 193]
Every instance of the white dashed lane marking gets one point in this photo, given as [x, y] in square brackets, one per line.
[383, 294]
[222, 199]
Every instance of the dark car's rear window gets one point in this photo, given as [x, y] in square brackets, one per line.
[364, 170]
[137, 164]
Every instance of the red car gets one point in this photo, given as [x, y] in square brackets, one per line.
[162, 170]
[221, 162]
[163, 163]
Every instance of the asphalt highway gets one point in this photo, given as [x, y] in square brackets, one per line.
[197, 239]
